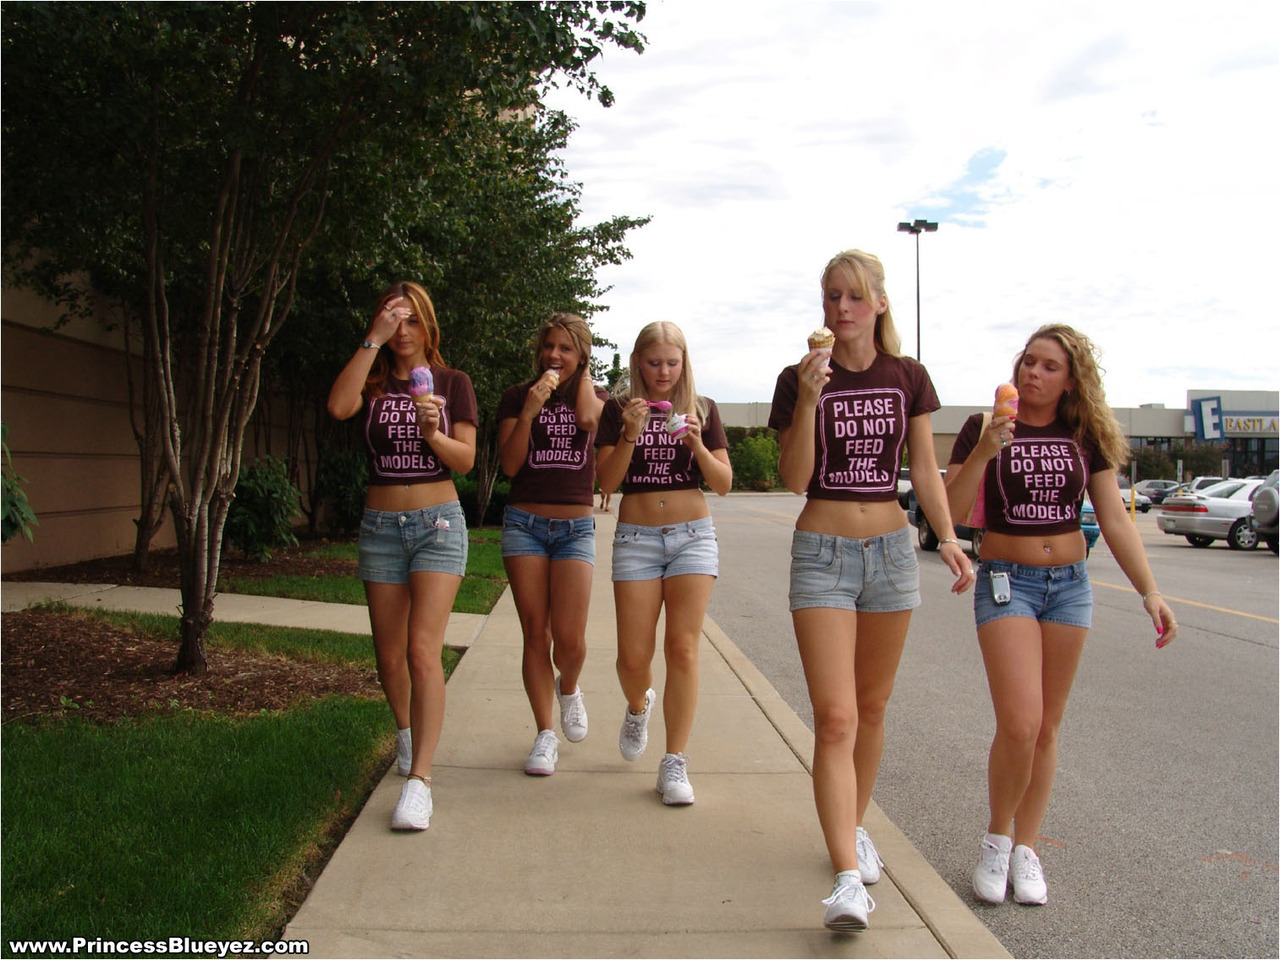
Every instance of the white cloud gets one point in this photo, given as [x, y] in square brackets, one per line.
[1106, 165]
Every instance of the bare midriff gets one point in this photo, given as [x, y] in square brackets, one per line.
[399, 497]
[856, 519]
[1043, 551]
[658, 507]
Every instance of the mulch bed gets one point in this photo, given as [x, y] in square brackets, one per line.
[69, 664]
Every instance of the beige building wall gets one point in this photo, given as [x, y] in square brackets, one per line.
[64, 396]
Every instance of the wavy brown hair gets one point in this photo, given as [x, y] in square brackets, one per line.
[865, 273]
[375, 385]
[1084, 408]
[579, 332]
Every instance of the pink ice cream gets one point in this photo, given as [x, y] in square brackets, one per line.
[420, 382]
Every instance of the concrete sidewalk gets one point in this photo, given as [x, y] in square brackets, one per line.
[588, 862]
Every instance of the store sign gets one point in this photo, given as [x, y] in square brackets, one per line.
[1208, 416]
[1264, 425]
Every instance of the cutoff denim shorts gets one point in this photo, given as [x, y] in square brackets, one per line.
[875, 575]
[393, 544]
[674, 550]
[526, 534]
[1048, 594]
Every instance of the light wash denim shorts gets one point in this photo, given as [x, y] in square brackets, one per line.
[1048, 594]
[674, 550]
[394, 544]
[526, 534]
[876, 575]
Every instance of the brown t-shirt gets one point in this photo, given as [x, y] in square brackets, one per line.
[559, 467]
[397, 452]
[660, 461]
[860, 425]
[1034, 486]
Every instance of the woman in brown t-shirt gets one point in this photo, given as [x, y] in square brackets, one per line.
[545, 431]
[413, 536]
[1033, 603]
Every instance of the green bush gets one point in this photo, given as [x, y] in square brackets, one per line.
[261, 515]
[469, 500]
[755, 462]
[341, 479]
[18, 517]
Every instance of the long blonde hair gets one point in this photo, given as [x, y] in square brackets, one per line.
[865, 273]
[1084, 408]
[684, 396]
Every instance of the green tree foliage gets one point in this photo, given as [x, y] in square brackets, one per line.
[16, 515]
[184, 160]
[755, 461]
[260, 518]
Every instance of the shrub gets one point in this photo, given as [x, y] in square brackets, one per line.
[341, 479]
[18, 517]
[261, 515]
[469, 499]
[755, 462]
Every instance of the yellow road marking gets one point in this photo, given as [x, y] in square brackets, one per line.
[1192, 603]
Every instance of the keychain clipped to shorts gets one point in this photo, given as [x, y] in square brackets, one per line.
[441, 524]
[1001, 592]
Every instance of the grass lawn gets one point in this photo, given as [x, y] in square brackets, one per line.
[480, 589]
[195, 823]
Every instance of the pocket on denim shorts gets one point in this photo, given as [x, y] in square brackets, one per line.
[900, 553]
[623, 537]
[814, 565]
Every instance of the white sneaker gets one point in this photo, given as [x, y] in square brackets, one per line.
[869, 862]
[573, 714]
[991, 875]
[848, 906]
[1027, 876]
[413, 812]
[543, 756]
[673, 780]
[404, 751]
[634, 735]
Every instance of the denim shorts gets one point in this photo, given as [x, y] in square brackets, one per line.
[876, 575]
[655, 553]
[395, 544]
[526, 534]
[1048, 594]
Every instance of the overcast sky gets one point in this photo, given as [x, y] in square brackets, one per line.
[1108, 165]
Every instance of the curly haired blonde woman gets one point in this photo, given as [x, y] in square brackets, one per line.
[1033, 602]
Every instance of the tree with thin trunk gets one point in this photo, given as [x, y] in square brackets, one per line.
[182, 156]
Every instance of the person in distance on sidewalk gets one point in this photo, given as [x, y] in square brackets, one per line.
[413, 535]
[843, 415]
[659, 440]
[1033, 603]
[545, 431]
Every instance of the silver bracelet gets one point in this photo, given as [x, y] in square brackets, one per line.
[1153, 593]
[949, 540]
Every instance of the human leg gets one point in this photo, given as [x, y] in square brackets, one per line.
[685, 599]
[637, 604]
[827, 641]
[571, 598]
[388, 605]
[1062, 648]
[432, 600]
[881, 638]
[530, 578]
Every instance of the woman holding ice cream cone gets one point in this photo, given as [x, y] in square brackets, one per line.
[413, 536]
[844, 413]
[546, 427]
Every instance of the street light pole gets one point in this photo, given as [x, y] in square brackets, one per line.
[917, 227]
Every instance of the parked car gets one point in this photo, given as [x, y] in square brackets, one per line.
[1218, 512]
[1265, 510]
[1199, 483]
[1143, 501]
[928, 540]
[904, 486]
[1157, 490]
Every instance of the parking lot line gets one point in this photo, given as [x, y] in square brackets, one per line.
[1190, 603]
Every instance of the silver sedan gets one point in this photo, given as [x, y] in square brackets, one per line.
[1218, 512]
